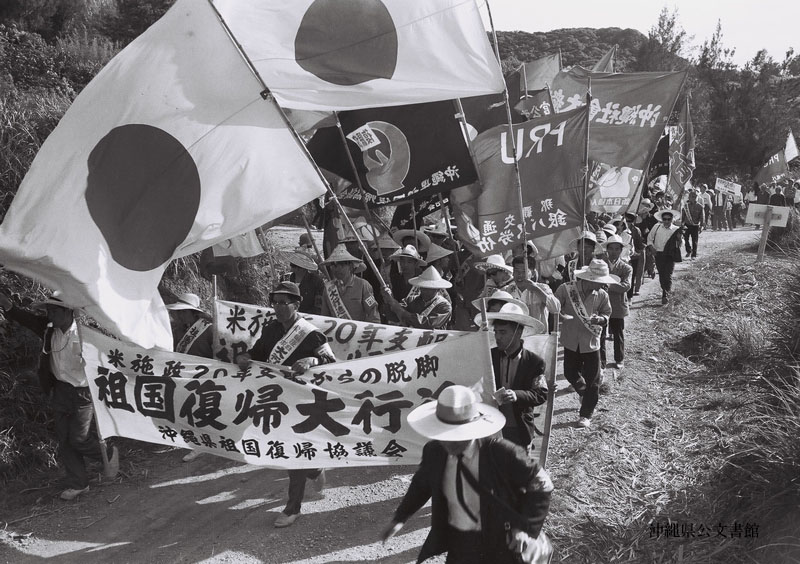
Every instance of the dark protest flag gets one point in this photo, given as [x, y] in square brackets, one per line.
[681, 154]
[400, 152]
[537, 103]
[659, 166]
[485, 112]
[551, 157]
[606, 63]
[627, 118]
[539, 74]
[773, 170]
[403, 214]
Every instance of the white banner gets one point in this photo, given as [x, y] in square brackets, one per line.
[345, 414]
[727, 186]
[239, 327]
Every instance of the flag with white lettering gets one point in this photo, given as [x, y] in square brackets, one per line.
[399, 152]
[551, 155]
[681, 154]
[334, 415]
[773, 170]
[168, 150]
[536, 103]
[349, 54]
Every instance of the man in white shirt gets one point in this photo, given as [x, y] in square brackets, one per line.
[663, 240]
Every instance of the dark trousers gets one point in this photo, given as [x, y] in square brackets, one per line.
[637, 264]
[690, 237]
[718, 220]
[736, 215]
[77, 437]
[616, 328]
[603, 337]
[297, 488]
[665, 266]
[582, 370]
[464, 547]
[649, 263]
[516, 436]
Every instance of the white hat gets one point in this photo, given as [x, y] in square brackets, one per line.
[500, 295]
[660, 214]
[573, 245]
[456, 416]
[494, 262]
[610, 229]
[430, 278]
[515, 314]
[597, 271]
[341, 254]
[186, 301]
[435, 252]
[421, 238]
[615, 239]
[409, 251]
[300, 257]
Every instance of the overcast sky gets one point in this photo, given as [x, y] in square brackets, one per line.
[748, 26]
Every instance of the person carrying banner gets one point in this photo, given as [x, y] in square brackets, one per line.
[637, 255]
[489, 501]
[664, 240]
[407, 264]
[304, 274]
[192, 330]
[353, 298]
[63, 379]
[499, 276]
[417, 239]
[427, 305]
[538, 297]
[618, 295]
[585, 311]
[518, 372]
[292, 341]
[693, 217]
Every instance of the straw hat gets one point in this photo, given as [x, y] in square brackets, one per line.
[515, 314]
[423, 240]
[615, 239]
[341, 254]
[617, 218]
[430, 278]
[494, 262]
[186, 301]
[300, 258]
[435, 252]
[499, 295]
[456, 416]
[409, 251]
[531, 248]
[588, 235]
[660, 214]
[597, 271]
[385, 241]
[609, 229]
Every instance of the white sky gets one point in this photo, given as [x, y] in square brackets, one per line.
[747, 25]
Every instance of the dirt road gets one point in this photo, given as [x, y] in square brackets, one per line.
[213, 510]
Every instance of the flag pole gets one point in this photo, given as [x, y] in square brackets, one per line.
[586, 150]
[214, 297]
[320, 258]
[267, 95]
[513, 148]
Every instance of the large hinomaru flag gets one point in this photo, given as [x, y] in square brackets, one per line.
[350, 54]
[169, 150]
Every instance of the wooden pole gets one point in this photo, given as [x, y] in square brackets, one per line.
[320, 258]
[762, 246]
[551, 396]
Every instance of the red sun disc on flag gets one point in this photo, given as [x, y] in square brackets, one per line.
[347, 42]
[143, 194]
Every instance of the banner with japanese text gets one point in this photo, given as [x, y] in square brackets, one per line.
[413, 213]
[627, 117]
[345, 414]
[399, 152]
[551, 155]
[537, 103]
[722, 185]
[681, 154]
[239, 327]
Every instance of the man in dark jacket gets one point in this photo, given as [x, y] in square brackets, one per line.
[488, 499]
[518, 372]
[61, 372]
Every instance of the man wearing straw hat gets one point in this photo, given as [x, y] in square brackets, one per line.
[192, 330]
[618, 295]
[499, 276]
[518, 373]
[356, 295]
[427, 305]
[304, 274]
[61, 372]
[664, 241]
[292, 341]
[416, 239]
[585, 309]
[408, 263]
[488, 499]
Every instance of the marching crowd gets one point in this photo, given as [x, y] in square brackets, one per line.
[489, 497]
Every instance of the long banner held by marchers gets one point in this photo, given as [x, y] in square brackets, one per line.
[345, 414]
[627, 117]
[550, 151]
[239, 327]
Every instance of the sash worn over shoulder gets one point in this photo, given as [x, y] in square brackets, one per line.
[580, 309]
[192, 335]
[335, 300]
[284, 348]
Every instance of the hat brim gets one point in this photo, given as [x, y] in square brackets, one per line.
[487, 266]
[424, 240]
[424, 421]
[624, 244]
[660, 214]
[179, 306]
[518, 318]
[430, 284]
[396, 256]
[285, 293]
[48, 301]
[300, 260]
[587, 275]
[477, 303]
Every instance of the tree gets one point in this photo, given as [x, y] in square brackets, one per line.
[666, 45]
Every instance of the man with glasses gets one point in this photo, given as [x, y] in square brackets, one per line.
[61, 372]
[292, 341]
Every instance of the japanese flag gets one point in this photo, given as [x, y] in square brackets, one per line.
[350, 54]
[169, 150]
